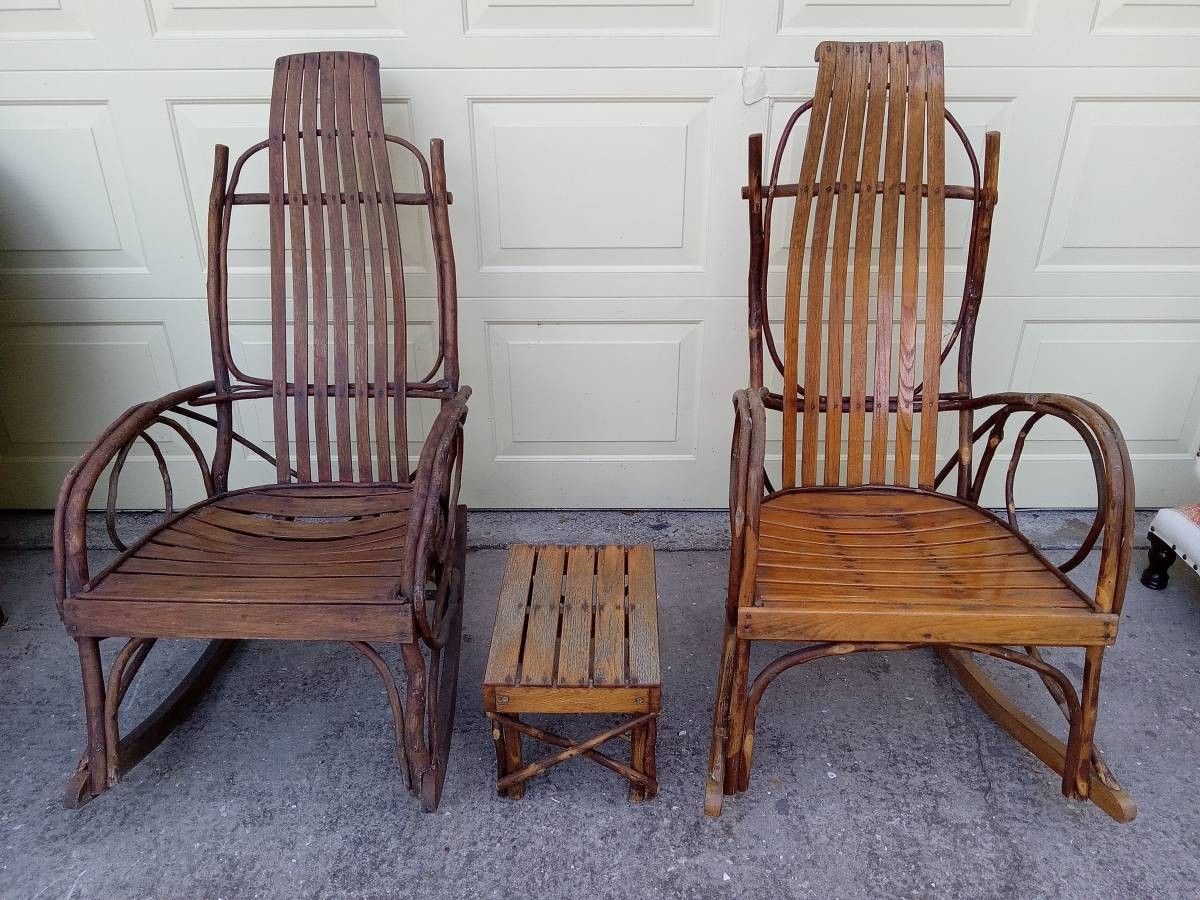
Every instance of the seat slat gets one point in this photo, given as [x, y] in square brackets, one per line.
[196, 619]
[253, 525]
[152, 565]
[233, 589]
[643, 617]
[575, 650]
[853, 622]
[330, 506]
[219, 537]
[541, 627]
[504, 657]
[183, 549]
[609, 661]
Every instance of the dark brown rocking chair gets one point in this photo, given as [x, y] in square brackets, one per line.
[348, 544]
[850, 558]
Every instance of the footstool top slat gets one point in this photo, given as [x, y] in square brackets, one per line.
[576, 617]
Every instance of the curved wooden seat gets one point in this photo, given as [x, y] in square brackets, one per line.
[303, 561]
[891, 564]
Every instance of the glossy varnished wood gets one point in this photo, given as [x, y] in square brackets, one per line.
[873, 558]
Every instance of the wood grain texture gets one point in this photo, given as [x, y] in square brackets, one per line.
[576, 617]
[576, 632]
[851, 568]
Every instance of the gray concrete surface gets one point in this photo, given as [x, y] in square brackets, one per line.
[666, 529]
[874, 776]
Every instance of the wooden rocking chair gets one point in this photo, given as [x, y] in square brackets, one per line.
[854, 558]
[348, 544]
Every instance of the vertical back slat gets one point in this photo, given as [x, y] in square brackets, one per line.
[358, 282]
[934, 265]
[826, 56]
[275, 211]
[383, 171]
[816, 263]
[337, 273]
[295, 203]
[863, 238]
[893, 158]
[910, 279]
[860, 69]
[337, 265]
[359, 78]
[316, 237]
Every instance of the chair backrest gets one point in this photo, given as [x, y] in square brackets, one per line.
[339, 383]
[868, 229]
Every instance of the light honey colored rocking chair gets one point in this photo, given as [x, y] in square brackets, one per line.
[857, 557]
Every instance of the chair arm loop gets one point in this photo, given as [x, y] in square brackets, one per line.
[1111, 465]
[70, 511]
[431, 535]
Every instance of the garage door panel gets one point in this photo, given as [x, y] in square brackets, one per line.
[596, 150]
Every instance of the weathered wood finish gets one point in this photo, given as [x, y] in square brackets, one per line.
[874, 558]
[576, 632]
[352, 543]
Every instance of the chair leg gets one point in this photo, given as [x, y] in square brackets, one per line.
[110, 756]
[91, 780]
[735, 779]
[714, 790]
[1161, 555]
[393, 695]
[1077, 773]
[415, 747]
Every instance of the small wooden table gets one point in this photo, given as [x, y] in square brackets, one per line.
[576, 632]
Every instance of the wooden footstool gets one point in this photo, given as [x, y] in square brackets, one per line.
[576, 632]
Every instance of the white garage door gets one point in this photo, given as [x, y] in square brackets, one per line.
[595, 149]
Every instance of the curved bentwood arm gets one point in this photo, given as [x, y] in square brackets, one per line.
[432, 529]
[747, 486]
[1110, 465]
[108, 453]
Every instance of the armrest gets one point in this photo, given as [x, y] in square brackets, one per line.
[70, 512]
[1110, 462]
[431, 519]
[746, 476]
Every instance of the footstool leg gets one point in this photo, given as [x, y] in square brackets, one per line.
[642, 760]
[511, 746]
[637, 760]
[651, 767]
[1161, 556]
